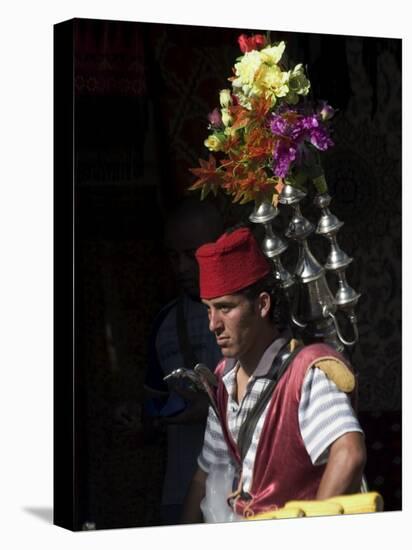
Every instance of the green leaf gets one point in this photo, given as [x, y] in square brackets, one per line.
[205, 191]
[320, 184]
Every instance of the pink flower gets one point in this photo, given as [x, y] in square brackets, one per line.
[215, 118]
[326, 112]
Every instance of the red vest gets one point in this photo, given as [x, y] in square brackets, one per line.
[283, 469]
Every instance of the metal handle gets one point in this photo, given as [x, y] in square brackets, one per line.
[352, 318]
[293, 301]
[364, 485]
[296, 322]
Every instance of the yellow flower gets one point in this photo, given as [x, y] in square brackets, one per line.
[258, 74]
[272, 55]
[213, 143]
[271, 82]
[229, 131]
[246, 69]
[225, 98]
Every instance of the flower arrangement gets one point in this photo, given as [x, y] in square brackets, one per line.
[265, 132]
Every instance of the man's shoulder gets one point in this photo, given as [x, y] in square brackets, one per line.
[317, 350]
[331, 362]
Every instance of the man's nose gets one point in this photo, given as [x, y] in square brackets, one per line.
[215, 320]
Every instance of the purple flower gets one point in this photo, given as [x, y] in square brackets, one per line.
[316, 133]
[295, 131]
[284, 155]
[310, 122]
[320, 139]
[215, 118]
[278, 125]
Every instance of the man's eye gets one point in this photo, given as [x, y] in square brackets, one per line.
[225, 309]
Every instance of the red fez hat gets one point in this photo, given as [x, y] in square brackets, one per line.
[232, 263]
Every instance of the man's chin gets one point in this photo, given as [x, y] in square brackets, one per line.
[227, 352]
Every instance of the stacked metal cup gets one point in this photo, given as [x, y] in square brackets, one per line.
[346, 298]
[313, 308]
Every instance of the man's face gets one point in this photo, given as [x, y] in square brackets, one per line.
[182, 240]
[236, 323]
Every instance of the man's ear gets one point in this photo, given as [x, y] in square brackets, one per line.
[264, 304]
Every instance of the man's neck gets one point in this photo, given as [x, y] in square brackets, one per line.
[249, 361]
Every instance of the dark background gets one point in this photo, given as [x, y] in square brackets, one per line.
[142, 95]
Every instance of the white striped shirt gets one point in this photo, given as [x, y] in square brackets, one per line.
[325, 414]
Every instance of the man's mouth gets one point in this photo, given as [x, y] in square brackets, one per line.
[221, 341]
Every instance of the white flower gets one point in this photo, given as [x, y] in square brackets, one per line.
[225, 98]
[247, 68]
[226, 117]
[272, 54]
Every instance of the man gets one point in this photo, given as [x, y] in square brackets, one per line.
[181, 338]
[306, 442]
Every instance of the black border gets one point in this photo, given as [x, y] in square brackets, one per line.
[65, 487]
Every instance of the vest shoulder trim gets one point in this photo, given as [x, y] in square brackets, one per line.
[338, 372]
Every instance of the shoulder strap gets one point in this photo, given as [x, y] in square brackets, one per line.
[279, 367]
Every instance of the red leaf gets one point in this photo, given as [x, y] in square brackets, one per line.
[206, 174]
